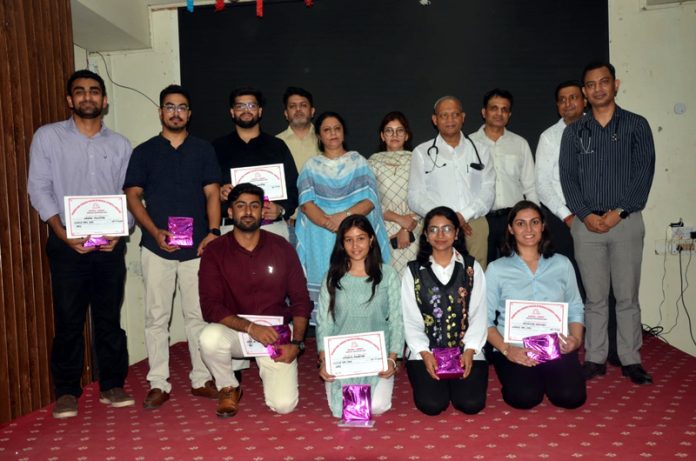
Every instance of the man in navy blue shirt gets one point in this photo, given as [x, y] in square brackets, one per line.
[607, 163]
[176, 175]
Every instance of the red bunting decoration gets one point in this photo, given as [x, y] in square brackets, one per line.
[259, 8]
[309, 3]
[219, 5]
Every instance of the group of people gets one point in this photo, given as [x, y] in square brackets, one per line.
[425, 246]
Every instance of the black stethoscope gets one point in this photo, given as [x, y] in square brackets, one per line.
[585, 127]
[434, 150]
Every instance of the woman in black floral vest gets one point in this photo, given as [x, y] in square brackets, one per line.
[444, 301]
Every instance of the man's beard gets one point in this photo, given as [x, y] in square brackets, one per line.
[247, 124]
[94, 113]
[253, 227]
[303, 123]
[173, 128]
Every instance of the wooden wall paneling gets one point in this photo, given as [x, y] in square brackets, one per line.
[25, 313]
[5, 144]
[36, 305]
[36, 57]
[15, 24]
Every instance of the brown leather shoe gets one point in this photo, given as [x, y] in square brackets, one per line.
[228, 402]
[209, 391]
[155, 398]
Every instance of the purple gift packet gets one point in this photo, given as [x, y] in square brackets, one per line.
[265, 222]
[449, 365]
[283, 338]
[181, 229]
[357, 403]
[544, 348]
[95, 241]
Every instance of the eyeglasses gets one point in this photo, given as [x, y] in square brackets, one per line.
[446, 229]
[399, 132]
[245, 105]
[171, 108]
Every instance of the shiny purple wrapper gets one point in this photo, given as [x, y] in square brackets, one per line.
[95, 241]
[544, 348]
[449, 364]
[265, 222]
[357, 402]
[283, 338]
[182, 231]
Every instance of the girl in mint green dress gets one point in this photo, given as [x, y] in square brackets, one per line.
[360, 294]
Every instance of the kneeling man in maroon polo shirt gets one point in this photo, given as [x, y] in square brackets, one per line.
[251, 272]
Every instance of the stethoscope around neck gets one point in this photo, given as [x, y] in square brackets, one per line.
[585, 127]
[434, 151]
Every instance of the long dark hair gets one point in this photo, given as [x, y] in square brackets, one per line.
[510, 245]
[401, 118]
[339, 263]
[425, 250]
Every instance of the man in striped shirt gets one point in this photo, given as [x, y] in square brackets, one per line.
[607, 163]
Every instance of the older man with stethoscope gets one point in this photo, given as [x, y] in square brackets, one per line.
[454, 171]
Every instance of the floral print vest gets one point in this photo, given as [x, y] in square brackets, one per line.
[444, 308]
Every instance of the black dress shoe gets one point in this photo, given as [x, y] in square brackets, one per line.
[591, 369]
[637, 374]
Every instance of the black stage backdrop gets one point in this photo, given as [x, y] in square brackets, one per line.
[364, 58]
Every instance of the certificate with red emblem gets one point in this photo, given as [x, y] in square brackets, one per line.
[250, 346]
[94, 215]
[352, 356]
[270, 178]
[531, 318]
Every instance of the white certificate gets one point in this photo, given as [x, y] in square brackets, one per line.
[250, 346]
[352, 356]
[95, 215]
[530, 318]
[270, 178]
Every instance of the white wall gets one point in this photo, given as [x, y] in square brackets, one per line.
[134, 116]
[110, 25]
[654, 51]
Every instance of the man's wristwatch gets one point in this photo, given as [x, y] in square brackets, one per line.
[623, 214]
[299, 344]
[214, 232]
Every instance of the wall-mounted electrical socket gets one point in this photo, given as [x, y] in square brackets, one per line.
[682, 241]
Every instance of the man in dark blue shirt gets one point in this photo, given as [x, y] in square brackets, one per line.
[176, 175]
[607, 163]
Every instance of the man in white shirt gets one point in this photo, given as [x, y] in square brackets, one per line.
[571, 104]
[514, 165]
[298, 105]
[455, 171]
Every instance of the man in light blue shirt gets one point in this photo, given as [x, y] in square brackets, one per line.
[80, 156]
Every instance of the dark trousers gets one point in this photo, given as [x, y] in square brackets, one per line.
[563, 242]
[497, 232]
[433, 397]
[79, 281]
[560, 380]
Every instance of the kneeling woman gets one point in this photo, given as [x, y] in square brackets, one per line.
[531, 271]
[444, 300]
[359, 294]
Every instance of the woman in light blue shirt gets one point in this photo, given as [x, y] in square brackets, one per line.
[531, 271]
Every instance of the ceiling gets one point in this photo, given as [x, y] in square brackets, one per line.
[107, 25]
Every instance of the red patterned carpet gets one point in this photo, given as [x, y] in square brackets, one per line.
[620, 421]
